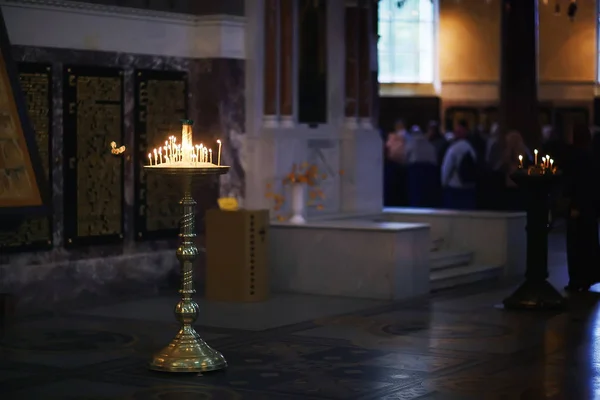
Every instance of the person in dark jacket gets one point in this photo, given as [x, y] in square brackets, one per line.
[582, 226]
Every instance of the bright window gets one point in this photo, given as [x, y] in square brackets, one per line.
[406, 46]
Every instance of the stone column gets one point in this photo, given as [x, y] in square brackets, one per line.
[286, 59]
[271, 70]
[364, 65]
[352, 57]
[518, 70]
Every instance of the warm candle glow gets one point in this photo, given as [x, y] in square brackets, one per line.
[520, 161]
[535, 153]
[185, 154]
[219, 155]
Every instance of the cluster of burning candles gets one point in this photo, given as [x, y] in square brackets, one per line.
[547, 164]
[185, 154]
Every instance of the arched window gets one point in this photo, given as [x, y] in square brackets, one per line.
[406, 46]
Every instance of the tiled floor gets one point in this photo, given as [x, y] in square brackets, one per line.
[454, 345]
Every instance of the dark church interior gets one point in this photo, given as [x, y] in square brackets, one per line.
[299, 199]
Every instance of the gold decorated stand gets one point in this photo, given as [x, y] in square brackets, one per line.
[187, 352]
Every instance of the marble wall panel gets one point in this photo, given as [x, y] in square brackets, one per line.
[216, 103]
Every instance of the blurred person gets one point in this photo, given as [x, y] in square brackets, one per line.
[459, 171]
[422, 170]
[434, 134]
[582, 225]
[395, 175]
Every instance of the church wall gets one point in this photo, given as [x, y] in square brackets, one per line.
[346, 147]
[469, 62]
[194, 7]
[215, 102]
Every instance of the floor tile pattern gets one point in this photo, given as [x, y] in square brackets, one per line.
[454, 345]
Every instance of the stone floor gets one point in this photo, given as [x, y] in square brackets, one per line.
[453, 345]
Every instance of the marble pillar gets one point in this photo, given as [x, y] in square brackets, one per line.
[352, 67]
[364, 65]
[519, 71]
[271, 70]
[286, 61]
[349, 157]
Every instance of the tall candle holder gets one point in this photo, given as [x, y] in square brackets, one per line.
[536, 293]
[187, 352]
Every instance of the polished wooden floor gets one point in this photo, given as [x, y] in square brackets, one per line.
[453, 345]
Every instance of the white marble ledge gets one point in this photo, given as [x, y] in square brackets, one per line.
[359, 225]
[453, 213]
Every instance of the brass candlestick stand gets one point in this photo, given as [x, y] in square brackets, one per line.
[187, 352]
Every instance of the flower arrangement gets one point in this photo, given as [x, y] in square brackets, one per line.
[300, 174]
[304, 174]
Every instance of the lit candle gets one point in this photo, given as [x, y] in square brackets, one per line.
[520, 161]
[551, 163]
[544, 162]
[160, 155]
[219, 155]
[205, 154]
[155, 157]
[150, 158]
[197, 153]
[210, 155]
[547, 160]
[186, 140]
[535, 153]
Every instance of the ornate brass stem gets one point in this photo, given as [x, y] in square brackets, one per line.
[187, 352]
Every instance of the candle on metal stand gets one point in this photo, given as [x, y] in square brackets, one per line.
[186, 140]
[160, 155]
[210, 156]
[219, 155]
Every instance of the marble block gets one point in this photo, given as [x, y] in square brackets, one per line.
[95, 280]
[352, 258]
[494, 237]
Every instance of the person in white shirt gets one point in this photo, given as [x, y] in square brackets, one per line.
[459, 172]
[419, 149]
[423, 173]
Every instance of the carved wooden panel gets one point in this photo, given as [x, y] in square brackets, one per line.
[93, 176]
[160, 105]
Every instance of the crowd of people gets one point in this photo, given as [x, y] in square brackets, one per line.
[470, 169]
[464, 169]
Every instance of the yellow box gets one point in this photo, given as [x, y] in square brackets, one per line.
[236, 255]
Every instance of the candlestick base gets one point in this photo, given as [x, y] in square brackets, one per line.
[188, 353]
[535, 295]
